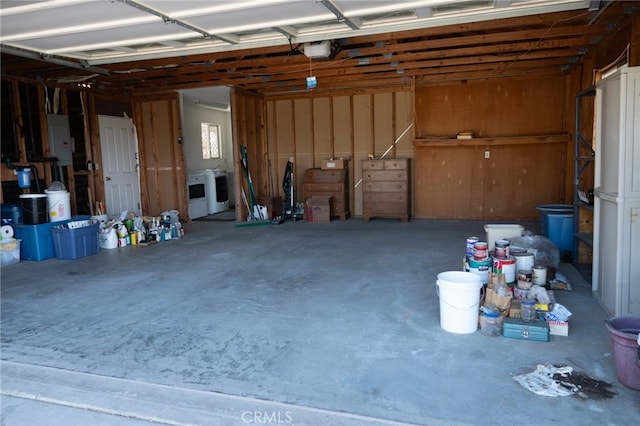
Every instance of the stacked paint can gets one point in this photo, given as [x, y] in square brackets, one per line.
[516, 264]
[477, 260]
[523, 284]
[504, 263]
[506, 267]
[524, 265]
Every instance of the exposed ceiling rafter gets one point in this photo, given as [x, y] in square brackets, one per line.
[131, 51]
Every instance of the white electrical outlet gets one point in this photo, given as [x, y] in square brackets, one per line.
[487, 154]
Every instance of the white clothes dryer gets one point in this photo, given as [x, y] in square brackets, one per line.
[217, 190]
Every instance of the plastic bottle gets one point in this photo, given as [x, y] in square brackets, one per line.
[491, 323]
[528, 310]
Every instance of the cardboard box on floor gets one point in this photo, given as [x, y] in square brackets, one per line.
[318, 209]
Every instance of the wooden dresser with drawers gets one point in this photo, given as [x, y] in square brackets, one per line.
[385, 189]
[334, 183]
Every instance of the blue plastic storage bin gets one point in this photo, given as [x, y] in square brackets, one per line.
[74, 243]
[37, 243]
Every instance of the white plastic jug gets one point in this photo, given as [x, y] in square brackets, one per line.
[108, 238]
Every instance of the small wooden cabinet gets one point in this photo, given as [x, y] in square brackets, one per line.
[385, 189]
[334, 183]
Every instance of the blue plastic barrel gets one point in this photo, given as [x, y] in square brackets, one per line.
[556, 223]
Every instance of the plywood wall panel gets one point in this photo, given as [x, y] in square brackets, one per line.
[404, 128]
[457, 180]
[272, 148]
[342, 127]
[163, 177]
[249, 129]
[322, 126]
[362, 125]
[362, 144]
[303, 143]
[383, 123]
[492, 108]
[519, 178]
[450, 183]
[520, 107]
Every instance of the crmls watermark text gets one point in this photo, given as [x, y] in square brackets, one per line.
[267, 417]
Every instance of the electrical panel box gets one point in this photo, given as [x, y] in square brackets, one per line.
[60, 141]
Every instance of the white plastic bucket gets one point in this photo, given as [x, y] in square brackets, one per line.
[58, 205]
[459, 294]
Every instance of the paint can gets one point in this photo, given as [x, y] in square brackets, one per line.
[480, 268]
[470, 243]
[506, 267]
[539, 275]
[524, 280]
[480, 251]
[520, 294]
[501, 249]
[524, 261]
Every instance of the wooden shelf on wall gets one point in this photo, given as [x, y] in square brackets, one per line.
[504, 140]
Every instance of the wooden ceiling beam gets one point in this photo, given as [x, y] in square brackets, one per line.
[357, 72]
[217, 62]
[449, 73]
[403, 61]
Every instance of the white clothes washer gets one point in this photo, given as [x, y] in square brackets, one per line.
[197, 188]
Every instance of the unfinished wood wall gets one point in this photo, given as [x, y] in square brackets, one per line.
[505, 170]
[162, 173]
[307, 130]
[248, 130]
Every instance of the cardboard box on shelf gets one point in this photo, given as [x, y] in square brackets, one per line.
[333, 164]
[318, 209]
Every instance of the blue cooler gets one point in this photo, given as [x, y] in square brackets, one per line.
[11, 214]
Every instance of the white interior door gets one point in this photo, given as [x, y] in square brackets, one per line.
[119, 147]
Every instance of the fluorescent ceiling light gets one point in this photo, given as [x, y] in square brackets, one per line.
[36, 6]
[81, 28]
[225, 8]
[212, 105]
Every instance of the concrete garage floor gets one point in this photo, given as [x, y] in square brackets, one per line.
[299, 323]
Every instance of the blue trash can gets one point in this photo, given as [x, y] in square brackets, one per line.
[556, 223]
